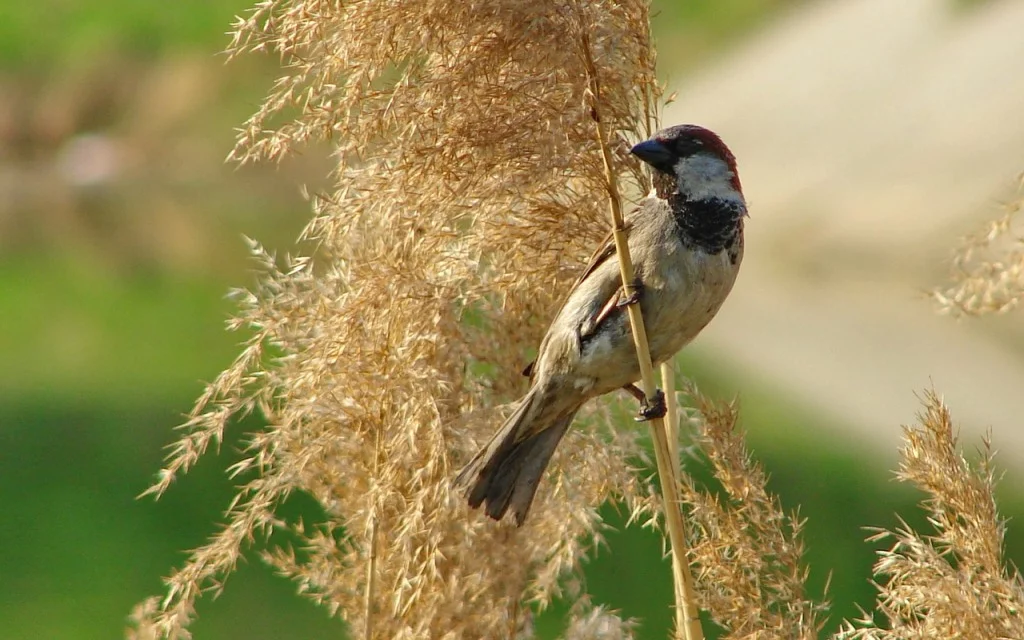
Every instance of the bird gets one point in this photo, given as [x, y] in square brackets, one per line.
[686, 243]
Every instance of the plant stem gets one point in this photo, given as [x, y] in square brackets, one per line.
[679, 569]
[371, 567]
[687, 618]
[668, 381]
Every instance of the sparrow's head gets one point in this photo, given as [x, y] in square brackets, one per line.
[696, 162]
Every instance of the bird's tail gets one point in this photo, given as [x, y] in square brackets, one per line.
[505, 473]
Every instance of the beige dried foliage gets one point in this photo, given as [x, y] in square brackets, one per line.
[470, 189]
[988, 270]
[746, 549]
[953, 582]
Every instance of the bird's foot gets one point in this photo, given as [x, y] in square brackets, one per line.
[632, 298]
[653, 410]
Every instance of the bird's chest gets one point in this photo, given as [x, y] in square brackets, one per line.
[683, 292]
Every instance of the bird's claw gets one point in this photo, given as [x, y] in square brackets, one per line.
[633, 298]
[653, 410]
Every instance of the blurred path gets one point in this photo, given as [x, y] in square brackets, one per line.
[871, 135]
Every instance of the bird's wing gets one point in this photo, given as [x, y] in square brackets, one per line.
[613, 291]
[605, 251]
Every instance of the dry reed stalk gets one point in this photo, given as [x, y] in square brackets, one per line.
[371, 566]
[687, 614]
[682, 577]
[668, 380]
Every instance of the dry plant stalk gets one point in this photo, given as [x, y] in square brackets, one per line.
[687, 615]
[954, 582]
[988, 270]
[687, 611]
[465, 202]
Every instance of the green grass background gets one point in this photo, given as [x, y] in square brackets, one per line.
[100, 363]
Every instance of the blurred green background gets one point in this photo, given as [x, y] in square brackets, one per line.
[120, 233]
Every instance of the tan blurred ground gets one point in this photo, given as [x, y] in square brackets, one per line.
[871, 135]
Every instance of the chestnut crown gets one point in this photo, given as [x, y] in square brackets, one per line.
[686, 149]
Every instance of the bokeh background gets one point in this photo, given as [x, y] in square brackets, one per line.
[871, 135]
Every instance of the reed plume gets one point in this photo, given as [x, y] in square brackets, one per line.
[954, 581]
[746, 548]
[988, 268]
[470, 189]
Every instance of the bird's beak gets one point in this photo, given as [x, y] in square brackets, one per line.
[653, 153]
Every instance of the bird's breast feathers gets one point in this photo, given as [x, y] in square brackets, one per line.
[682, 287]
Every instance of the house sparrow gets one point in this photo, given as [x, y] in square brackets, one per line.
[686, 241]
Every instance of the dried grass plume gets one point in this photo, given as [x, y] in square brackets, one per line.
[467, 168]
[953, 582]
[988, 270]
[380, 358]
[747, 550]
